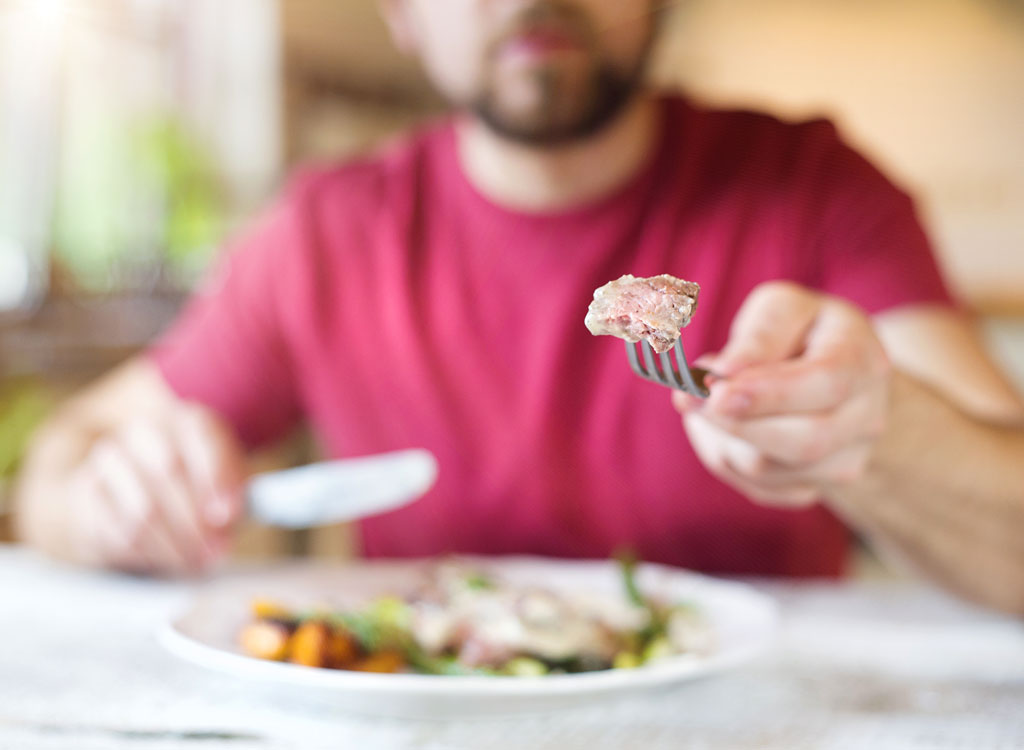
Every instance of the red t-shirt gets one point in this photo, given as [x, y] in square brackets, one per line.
[392, 305]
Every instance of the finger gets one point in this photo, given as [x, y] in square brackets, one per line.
[803, 439]
[138, 512]
[99, 538]
[684, 402]
[117, 477]
[842, 355]
[771, 326]
[213, 461]
[720, 453]
[727, 455]
[118, 544]
[840, 468]
[172, 507]
[794, 497]
[799, 386]
[707, 441]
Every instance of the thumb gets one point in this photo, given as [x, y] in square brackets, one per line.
[771, 326]
[215, 462]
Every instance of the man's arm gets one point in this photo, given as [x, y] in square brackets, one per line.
[960, 518]
[945, 495]
[904, 427]
[127, 475]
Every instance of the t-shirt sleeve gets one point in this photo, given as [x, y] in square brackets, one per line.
[870, 246]
[229, 349]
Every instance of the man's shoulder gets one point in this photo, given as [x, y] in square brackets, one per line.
[781, 156]
[752, 136]
[738, 121]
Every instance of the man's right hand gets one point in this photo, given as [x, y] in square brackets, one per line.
[128, 476]
[158, 496]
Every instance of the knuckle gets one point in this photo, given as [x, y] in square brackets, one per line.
[812, 451]
[819, 440]
[755, 466]
[772, 290]
[718, 466]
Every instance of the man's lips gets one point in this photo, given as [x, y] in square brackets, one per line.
[534, 44]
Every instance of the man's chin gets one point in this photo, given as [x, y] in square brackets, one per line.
[545, 128]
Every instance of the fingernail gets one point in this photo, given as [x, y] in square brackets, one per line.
[711, 378]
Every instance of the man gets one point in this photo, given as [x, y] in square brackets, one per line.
[433, 295]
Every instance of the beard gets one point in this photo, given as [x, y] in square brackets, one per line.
[559, 117]
[559, 101]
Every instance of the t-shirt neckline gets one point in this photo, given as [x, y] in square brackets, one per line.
[595, 206]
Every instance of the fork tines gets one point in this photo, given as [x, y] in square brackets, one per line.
[672, 374]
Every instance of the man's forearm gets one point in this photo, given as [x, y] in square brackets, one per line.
[946, 493]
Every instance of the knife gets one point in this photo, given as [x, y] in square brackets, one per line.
[342, 490]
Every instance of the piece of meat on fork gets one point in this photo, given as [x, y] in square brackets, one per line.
[651, 311]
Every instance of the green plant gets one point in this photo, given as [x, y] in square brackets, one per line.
[136, 195]
[23, 405]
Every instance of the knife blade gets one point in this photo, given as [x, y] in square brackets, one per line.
[341, 490]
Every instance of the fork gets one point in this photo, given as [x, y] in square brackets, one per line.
[678, 375]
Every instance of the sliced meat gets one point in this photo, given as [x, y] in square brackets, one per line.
[653, 309]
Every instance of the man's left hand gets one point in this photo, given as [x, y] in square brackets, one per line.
[800, 400]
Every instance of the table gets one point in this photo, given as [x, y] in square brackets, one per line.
[858, 665]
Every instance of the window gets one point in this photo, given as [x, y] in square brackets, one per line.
[133, 135]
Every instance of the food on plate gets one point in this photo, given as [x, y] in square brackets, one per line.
[463, 621]
[652, 309]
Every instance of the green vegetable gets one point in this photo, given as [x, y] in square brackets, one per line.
[385, 625]
[524, 666]
[657, 623]
[626, 660]
[658, 648]
[479, 581]
[627, 566]
[423, 662]
[371, 633]
[390, 611]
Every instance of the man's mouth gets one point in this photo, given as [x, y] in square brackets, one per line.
[539, 43]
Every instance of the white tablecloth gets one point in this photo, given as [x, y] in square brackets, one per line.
[858, 666]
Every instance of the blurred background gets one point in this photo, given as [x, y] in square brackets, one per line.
[136, 135]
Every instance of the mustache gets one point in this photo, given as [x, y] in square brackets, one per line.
[551, 15]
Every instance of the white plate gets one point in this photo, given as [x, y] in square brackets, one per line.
[743, 619]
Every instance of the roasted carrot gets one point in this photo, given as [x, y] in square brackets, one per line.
[265, 640]
[265, 609]
[309, 644]
[380, 661]
[342, 649]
